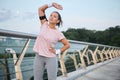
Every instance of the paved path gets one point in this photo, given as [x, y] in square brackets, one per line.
[110, 71]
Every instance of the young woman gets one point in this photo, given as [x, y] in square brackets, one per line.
[49, 35]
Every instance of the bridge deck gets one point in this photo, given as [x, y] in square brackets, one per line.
[108, 70]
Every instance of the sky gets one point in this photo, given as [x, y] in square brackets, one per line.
[22, 15]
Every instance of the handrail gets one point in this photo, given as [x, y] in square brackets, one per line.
[88, 43]
[10, 33]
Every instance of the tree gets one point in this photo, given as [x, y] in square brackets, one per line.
[110, 36]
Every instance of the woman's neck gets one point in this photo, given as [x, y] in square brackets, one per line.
[52, 26]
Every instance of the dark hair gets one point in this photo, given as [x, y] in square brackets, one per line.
[59, 18]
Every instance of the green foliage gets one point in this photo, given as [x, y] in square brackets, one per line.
[110, 36]
[2, 56]
[79, 34]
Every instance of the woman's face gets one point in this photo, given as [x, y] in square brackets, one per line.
[53, 18]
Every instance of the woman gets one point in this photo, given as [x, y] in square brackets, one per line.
[44, 45]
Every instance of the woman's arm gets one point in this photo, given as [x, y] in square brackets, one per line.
[41, 10]
[66, 45]
[41, 13]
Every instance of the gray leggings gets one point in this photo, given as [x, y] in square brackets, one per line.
[40, 63]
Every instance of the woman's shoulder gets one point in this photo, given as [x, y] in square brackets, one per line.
[59, 32]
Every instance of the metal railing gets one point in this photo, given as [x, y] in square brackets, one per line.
[80, 55]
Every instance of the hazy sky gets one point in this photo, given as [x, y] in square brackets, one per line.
[21, 15]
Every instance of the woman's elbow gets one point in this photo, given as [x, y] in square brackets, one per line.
[68, 45]
[39, 9]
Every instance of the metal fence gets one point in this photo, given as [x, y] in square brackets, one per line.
[18, 64]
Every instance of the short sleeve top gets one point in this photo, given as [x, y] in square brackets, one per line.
[47, 38]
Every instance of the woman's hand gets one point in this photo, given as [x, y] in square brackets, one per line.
[51, 49]
[57, 6]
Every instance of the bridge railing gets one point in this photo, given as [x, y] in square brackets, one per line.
[80, 55]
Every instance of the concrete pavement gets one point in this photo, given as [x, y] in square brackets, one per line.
[110, 71]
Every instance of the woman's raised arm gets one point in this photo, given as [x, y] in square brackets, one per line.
[41, 10]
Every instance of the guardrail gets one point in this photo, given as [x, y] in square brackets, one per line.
[89, 54]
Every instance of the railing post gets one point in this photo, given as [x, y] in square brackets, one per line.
[62, 64]
[115, 52]
[18, 61]
[106, 53]
[82, 57]
[88, 61]
[94, 56]
[74, 59]
[119, 52]
[110, 53]
[17, 68]
[101, 54]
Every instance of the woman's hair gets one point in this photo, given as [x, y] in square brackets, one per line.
[59, 18]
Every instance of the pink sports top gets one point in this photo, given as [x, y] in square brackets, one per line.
[47, 38]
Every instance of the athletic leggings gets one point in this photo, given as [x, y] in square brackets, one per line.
[40, 63]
